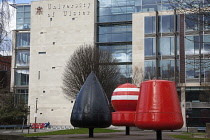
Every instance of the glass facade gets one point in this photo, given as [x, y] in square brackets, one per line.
[22, 53]
[23, 17]
[115, 27]
[197, 68]
[160, 50]
[115, 32]
[162, 56]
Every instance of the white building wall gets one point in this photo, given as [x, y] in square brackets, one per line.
[56, 31]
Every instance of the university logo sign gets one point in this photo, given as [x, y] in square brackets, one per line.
[39, 10]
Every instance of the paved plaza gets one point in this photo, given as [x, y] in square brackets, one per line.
[134, 135]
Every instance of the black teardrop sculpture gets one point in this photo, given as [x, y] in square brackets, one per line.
[91, 109]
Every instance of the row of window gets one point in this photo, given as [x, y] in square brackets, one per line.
[23, 17]
[120, 37]
[165, 47]
[117, 11]
[166, 69]
[193, 45]
[109, 29]
[197, 68]
[115, 18]
[166, 23]
[194, 69]
[197, 117]
[113, 3]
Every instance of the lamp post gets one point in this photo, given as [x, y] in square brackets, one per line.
[35, 115]
[187, 117]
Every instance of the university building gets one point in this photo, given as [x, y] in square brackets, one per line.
[147, 35]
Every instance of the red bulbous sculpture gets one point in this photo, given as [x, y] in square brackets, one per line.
[158, 106]
[124, 100]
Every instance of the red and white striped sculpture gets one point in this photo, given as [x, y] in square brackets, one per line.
[124, 101]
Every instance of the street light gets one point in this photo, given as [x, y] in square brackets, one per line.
[35, 115]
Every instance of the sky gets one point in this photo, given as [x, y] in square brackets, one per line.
[24, 1]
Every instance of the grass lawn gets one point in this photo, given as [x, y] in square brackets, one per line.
[71, 131]
[187, 136]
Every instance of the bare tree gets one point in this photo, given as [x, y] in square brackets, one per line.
[197, 20]
[149, 72]
[197, 14]
[198, 11]
[6, 15]
[137, 76]
[84, 60]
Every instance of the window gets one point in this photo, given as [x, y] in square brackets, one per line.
[21, 77]
[21, 96]
[197, 94]
[22, 58]
[121, 53]
[149, 69]
[166, 23]
[193, 69]
[166, 46]
[23, 17]
[206, 47]
[191, 22]
[192, 44]
[138, 2]
[205, 63]
[198, 117]
[149, 23]
[168, 6]
[42, 52]
[166, 69]
[207, 22]
[147, 8]
[149, 46]
[115, 33]
[23, 40]
[126, 73]
[145, 2]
